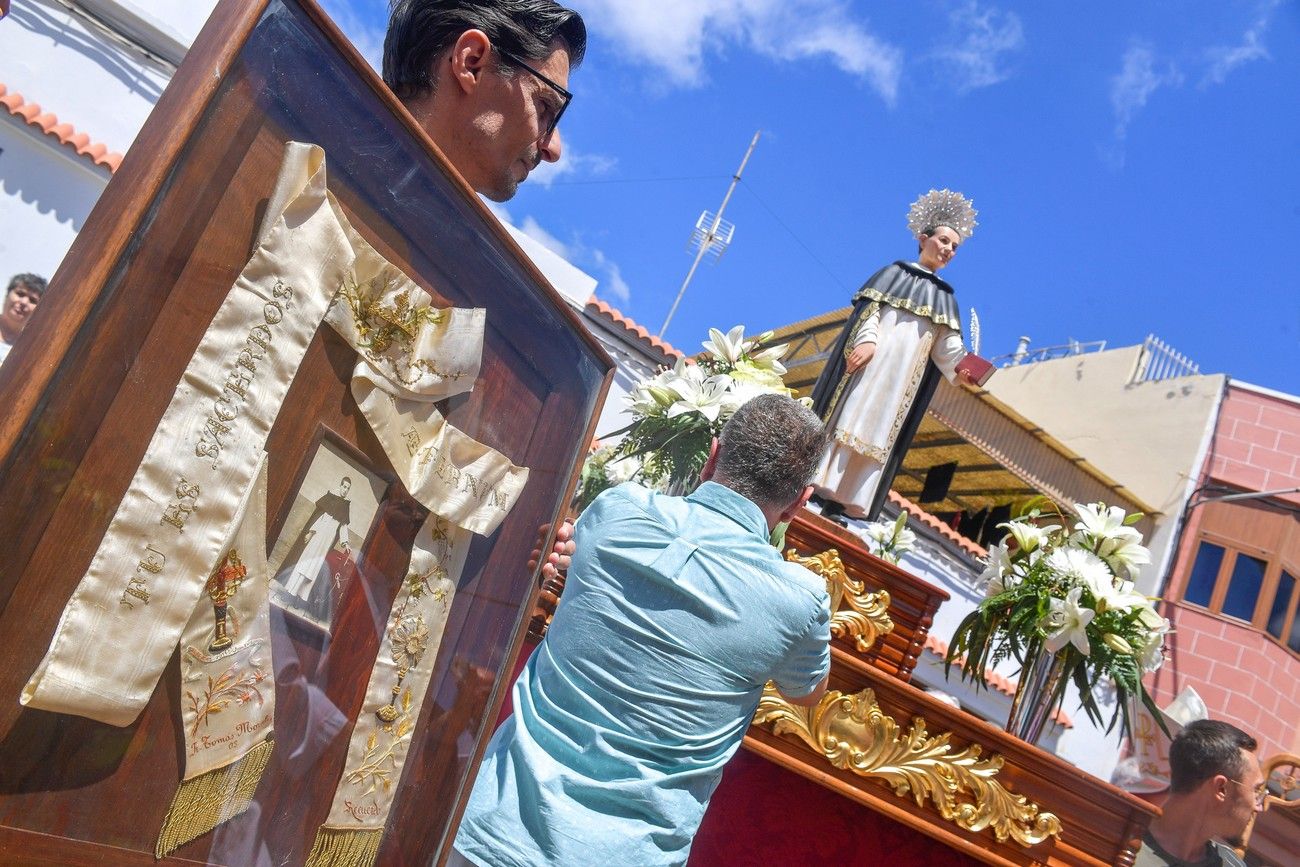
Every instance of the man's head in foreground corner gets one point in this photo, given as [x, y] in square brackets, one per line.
[487, 80]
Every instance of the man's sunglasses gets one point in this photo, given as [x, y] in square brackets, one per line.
[565, 96]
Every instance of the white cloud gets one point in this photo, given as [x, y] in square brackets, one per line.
[571, 164]
[1140, 76]
[1223, 59]
[534, 230]
[675, 35]
[498, 210]
[368, 37]
[611, 281]
[614, 284]
[979, 40]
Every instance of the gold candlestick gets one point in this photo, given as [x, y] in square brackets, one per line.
[224, 584]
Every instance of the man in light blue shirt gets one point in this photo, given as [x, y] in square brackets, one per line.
[676, 611]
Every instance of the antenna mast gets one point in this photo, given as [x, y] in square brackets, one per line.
[712, 234]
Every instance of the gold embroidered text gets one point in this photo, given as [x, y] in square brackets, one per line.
[226, 408]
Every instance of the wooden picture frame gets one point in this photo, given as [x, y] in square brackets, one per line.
[101, 360]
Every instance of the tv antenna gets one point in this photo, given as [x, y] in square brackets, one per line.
[711, 236]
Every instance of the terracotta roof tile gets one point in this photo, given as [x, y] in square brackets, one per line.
[1004, 685]
[64, 133]
[934, 523]
[629, 324]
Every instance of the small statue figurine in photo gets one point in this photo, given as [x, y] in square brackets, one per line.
[905, 329]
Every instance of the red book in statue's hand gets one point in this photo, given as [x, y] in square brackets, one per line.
[977, 369]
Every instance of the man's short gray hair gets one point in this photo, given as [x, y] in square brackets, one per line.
[769, 449]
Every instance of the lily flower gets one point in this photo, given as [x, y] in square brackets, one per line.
[702, 397]
[729, 347]
[1102, 528]
[1067, 622]
[1152, 654]
[998, 572]
[1117, 643]
[1125, 555]
[770, 358]
[1028, 536]
[1126, 599]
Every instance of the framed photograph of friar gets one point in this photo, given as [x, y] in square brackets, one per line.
[282, 251]
[330, 517]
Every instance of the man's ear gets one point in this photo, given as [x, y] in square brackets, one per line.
[793, 509]
[470, 56]
[711, 465]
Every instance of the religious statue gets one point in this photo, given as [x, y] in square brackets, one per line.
[905, 329]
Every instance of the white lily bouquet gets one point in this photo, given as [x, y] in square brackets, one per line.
[680, 410]
[890, 540]
[1068, 595]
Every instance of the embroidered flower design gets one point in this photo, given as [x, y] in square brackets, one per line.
[410, 638]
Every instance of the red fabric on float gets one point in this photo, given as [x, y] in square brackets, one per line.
[763, 814]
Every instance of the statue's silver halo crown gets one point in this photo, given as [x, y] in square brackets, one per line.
[942, 208]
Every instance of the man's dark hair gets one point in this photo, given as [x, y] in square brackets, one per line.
[31, 281]
[419, 31]
[1205, 749]
[769, 449]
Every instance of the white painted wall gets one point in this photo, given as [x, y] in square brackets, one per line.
[46, 191]
[180, 19]
[75, 70]
[93, 78]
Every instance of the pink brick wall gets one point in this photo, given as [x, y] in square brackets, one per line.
[1257, 443]
[1243, 677]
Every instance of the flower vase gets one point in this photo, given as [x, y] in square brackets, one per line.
[1042, 683]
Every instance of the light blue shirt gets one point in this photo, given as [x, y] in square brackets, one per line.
[676, 611]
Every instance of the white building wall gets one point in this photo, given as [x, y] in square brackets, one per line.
[99, 65]
[46, 192]
[75, 69]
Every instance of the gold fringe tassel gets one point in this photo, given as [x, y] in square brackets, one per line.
[206, 801]
[345, 847]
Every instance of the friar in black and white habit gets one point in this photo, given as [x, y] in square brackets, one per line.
[904, 331]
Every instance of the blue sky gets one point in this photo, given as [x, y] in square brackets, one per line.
[1136, 166]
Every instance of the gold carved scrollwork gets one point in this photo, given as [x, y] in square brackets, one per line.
[854, 734]
[865, 616]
